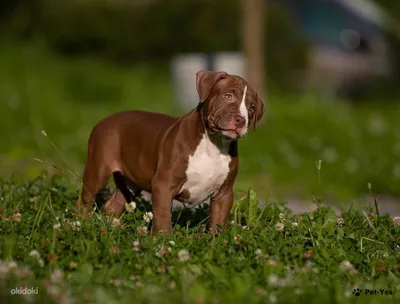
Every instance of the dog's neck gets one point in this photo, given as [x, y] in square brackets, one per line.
[222, 142]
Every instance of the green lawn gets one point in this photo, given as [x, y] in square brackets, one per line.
[266, 256]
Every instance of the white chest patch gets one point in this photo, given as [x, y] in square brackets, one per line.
[207, 170]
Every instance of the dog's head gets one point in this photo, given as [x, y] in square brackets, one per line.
[228, 102]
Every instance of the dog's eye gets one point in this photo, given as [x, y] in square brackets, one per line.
[252, 108]
[227, 96]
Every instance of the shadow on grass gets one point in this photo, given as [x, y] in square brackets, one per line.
[182, 216]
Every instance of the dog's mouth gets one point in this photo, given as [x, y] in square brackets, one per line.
[225, 132]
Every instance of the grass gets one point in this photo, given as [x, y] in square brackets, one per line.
[357, 144]
[266, 255]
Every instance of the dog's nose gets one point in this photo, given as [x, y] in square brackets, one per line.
[240, 121]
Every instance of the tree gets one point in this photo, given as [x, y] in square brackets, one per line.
[253, 42]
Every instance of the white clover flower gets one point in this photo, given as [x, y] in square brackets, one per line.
[35, 254]
[148, 216]
[183, 255]
[279, 227]
[136, 244]
[73, 265]
[272, 262]
[6, 267]
[298, 291]
[346, 266]
[115, 282]
[396, 220]
[340, 221]
[172, 243]
[130, 207]
[258, 252]
[57, 275]
[17, 217]
[12, 264]
[53, 290]
[57, 226]
[273, 280]
[76, 225]
[172, 285]
[261, 292]
[3, 270]
[23, 272]
[41, 262]
[115, 222]
[142, 230]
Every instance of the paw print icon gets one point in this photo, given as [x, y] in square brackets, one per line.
[357, 292]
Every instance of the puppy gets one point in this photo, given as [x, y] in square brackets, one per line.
[189, 158]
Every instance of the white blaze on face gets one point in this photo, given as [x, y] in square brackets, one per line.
[243, 110]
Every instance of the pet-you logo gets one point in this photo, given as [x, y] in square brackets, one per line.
[25, 291]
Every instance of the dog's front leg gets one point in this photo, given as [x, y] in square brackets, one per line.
[161, 204]
[220, 207]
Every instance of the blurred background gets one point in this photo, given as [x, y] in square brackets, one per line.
[328, 70]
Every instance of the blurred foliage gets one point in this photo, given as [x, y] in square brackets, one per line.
[286, 49]
[392, 7]
[383, 87]
[40, 90]
[136, 31]
[386, 87]
[389, 86]
[394, 43]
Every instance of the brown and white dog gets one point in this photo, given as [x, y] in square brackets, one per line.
[190, 158]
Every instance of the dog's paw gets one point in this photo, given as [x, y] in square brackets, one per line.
[82, 211]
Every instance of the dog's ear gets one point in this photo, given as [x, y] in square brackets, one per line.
[260, 109]
[205, 81]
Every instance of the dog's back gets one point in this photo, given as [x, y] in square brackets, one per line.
[107, 137]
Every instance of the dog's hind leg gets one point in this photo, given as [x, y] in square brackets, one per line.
[126, 192]
[95, 178]
[115, 204]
